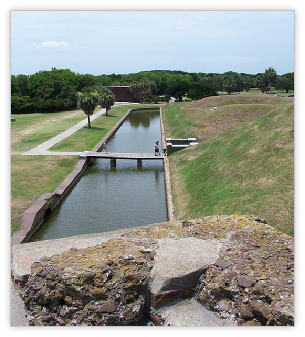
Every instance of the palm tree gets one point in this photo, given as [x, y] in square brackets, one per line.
[136, 90]
[142, 89]
[270, 75]
[106, 100]
[87, 102]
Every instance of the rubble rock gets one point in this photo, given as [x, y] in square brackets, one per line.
[236, 265]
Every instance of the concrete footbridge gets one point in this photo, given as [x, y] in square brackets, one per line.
[114, 156]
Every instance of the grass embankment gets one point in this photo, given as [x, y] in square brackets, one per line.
[280, 92]
[244, 162]
[33, 175]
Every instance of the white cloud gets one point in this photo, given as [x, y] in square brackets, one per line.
[54, 44]
[50, 45]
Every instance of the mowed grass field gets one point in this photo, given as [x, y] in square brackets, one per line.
[30, 130]
[244, 162]
[33, 175]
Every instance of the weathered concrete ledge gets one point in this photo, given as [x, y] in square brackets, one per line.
[167, 176]
[237, 266]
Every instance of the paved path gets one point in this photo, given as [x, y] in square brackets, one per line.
[42, 149]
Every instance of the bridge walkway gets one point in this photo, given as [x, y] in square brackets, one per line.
[113, 156]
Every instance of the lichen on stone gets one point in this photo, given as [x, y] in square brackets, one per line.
[109, 284]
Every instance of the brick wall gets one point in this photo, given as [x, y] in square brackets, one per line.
[122, 94]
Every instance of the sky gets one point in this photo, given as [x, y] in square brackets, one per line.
[121, 42]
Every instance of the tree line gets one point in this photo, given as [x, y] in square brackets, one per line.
[56, 90]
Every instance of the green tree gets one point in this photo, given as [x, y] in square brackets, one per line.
[87, 102]
[21, 104]
[247, 83]
[229, 85]
[106, 100]
[86, 82]
[261, 82]
[284, 83]
[142, 89]
[178, 85]
[271, 76]
[238, 80]
[200, 90]
[136, 90]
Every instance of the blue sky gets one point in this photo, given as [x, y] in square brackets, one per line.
[105, 42]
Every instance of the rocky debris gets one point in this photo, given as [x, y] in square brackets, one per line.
[155, 317]
[253, 281]
[247, 278]
[101, 285]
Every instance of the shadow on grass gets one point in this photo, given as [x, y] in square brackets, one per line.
[94, 128]
[110, 115]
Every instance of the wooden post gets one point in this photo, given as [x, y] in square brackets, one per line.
[139, 162]
[112, 162]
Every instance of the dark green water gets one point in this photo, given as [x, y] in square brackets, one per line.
[108, 198]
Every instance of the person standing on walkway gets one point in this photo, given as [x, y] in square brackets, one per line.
[105, 148]
[157, 148]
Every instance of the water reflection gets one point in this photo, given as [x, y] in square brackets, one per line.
[142, 118]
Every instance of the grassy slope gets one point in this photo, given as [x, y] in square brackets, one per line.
[248, 169]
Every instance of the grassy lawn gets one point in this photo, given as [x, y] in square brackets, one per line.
[243, 164]
[33, 175]
[30, 130]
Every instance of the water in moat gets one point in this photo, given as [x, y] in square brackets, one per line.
[108, 198]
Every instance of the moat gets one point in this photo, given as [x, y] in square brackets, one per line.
[108, 198]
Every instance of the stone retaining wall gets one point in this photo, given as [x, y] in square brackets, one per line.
[33, 217]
